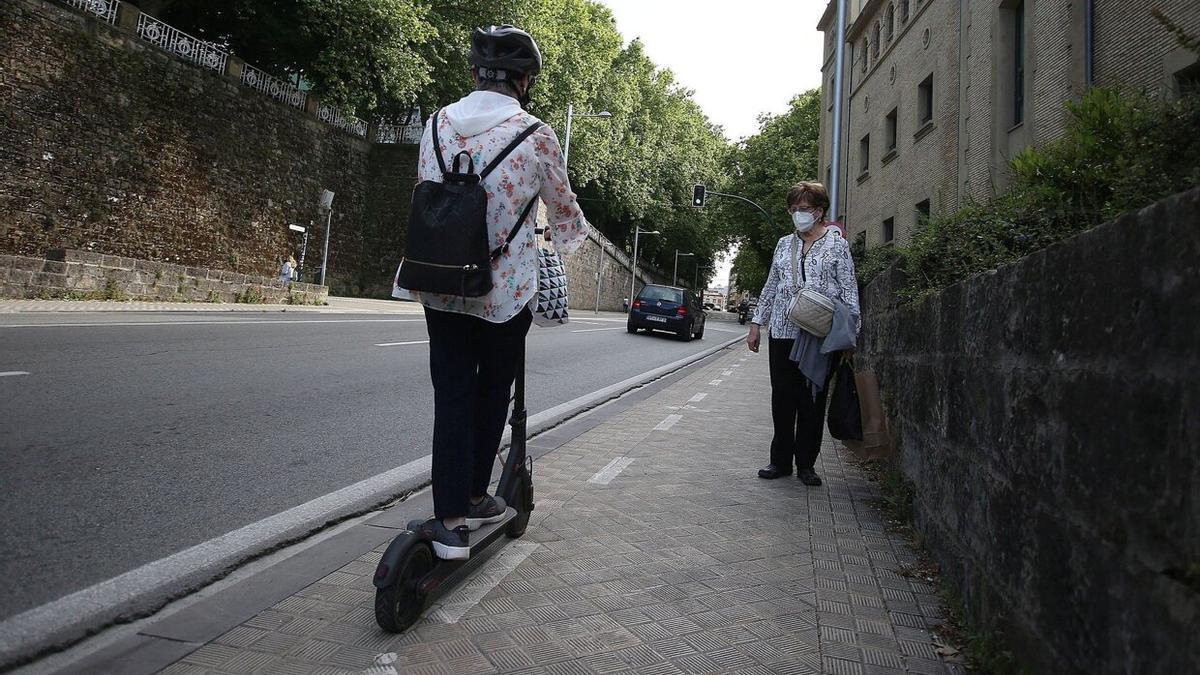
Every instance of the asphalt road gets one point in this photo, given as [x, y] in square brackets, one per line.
[132, 437]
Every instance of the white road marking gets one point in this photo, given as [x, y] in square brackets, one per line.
[716, 382]
[397, 344]
[593, 330]
[590, 323]
[97, 602]
[735, 365]
[12, 373]
[668, 422]
[202, 323]
[698, 397]
[604, 476]
[480, 582]
[727, 373]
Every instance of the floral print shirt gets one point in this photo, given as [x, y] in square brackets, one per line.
[829, 270]
[534, 169]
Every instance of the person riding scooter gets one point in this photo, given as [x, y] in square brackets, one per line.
[743, 310]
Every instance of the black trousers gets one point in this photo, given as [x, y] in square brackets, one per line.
[472, 363]
[799, 420]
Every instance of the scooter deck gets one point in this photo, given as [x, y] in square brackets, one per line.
[447, 570]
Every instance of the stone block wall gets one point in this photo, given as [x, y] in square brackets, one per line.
[110, 145]
[598, 254]
[89, 275]
[1047, 414]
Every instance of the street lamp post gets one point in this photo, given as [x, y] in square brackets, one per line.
[325, 204]
[303, 248]
[570, 115]
[604, 114]
[675, 273]
[637, 231]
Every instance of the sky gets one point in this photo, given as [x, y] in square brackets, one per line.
[741, 57]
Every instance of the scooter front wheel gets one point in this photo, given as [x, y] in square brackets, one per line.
[399, 605]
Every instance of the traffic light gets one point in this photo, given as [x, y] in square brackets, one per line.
[698, 196]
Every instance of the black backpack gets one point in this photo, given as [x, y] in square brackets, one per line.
[447, 249]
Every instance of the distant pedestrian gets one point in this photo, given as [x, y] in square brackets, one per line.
[285, 270]
[294, 271]
[823, 258]
[625, 305]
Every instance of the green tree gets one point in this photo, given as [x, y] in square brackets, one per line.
[762, 168]
[367, 56]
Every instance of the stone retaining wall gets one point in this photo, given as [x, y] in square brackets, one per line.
[1048, 414]
[86, 275]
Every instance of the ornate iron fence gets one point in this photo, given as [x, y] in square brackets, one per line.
[407, 134]
[331, 115]
[274, 87]
[105, 9]
[181, 44]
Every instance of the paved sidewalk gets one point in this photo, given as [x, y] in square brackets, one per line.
[654, 548]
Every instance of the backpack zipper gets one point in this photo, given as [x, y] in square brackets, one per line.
[465, 268]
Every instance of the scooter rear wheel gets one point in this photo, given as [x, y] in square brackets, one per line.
[516, 526]
[399, 605]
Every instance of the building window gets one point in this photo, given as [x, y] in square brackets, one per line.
[889, 230]
[1018, 74]
[890, 137]
[922, 212]
[864, 56]
[891, 22]
[903, 11]
[864, 154]
[925, 100]
[875, 47]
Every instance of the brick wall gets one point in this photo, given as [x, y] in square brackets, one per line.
[1047, 418]
[1133, 49]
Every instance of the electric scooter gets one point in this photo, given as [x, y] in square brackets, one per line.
[409, 575]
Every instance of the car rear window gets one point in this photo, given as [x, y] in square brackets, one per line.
[656, 293]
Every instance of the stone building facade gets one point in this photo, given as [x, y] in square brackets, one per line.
[939, 95]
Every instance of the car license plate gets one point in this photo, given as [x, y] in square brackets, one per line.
[660, 319]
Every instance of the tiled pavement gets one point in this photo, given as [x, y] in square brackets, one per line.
[683, 562]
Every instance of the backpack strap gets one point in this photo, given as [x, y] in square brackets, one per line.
[511, 146]
[513, 235]
[437, 143]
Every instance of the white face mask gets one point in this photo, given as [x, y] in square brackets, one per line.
[803, 220]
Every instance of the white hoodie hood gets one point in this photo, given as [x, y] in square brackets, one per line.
[480, 111]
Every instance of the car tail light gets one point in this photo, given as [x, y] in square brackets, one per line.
[637, 304]
[682, 311]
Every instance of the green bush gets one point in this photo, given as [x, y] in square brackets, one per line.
[1121, 151]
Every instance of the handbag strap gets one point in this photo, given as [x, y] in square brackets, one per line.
[517, 228]
[796, 245]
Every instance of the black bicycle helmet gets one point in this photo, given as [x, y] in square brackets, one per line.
[498, 51]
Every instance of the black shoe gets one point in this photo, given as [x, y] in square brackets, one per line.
[448, 544]
[772, 471]
[490, 510]
[809, 477]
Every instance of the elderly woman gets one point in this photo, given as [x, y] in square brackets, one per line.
[823, 260]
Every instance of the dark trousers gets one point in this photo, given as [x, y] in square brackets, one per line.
[799, 420]
[472, 363]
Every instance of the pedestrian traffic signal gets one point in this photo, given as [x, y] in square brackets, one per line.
[698, 196]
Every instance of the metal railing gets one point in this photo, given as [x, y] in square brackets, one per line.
[332, 115]
[272, 86]
[181, 44]
[401, 134]
[105, 9]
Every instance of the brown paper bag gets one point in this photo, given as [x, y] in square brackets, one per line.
[877, 440]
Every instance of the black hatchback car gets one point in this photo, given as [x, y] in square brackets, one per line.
[669, 309]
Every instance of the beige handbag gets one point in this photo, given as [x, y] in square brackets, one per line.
[809, 310]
